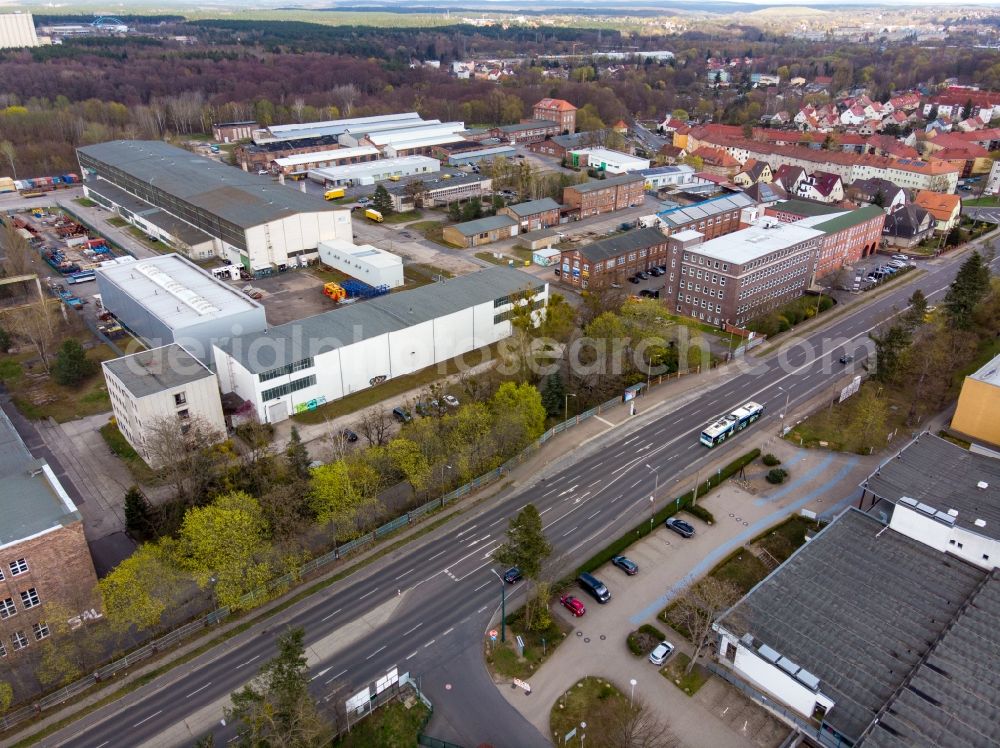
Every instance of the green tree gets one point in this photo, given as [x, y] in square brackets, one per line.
[408, 458]
[890, 343]
[5, 341]
[139, 590]
[967, 291]
[416, 190]
[472, 209]
[276, 708]
[680, 114]
[6, 696]
[139, 515]
[518, 413]
[340, 492]
[455, 211]
[382, 200]
[526, 546]
[554, 395]
[914, 316]
[72, 365]
[228, 542]
[297, 456]
[866, 431]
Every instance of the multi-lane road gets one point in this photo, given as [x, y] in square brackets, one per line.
[426, 612]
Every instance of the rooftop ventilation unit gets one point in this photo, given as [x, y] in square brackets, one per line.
[980, 523]
[982, 485]
[198, 303]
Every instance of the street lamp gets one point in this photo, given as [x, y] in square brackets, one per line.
[566, 405]
[503, 606]
[631, 696]
[785, 410]
[652, 499]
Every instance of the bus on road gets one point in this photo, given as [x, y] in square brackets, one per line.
[728, 425]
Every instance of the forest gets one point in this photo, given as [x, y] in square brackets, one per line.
[91, 89]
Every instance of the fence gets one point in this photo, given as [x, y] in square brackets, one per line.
[284, 582]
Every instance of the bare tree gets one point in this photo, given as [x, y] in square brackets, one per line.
[374, 426]
[621, 723]
[17, 254]
[36, 325]
[698, 607]
[7, 149]
[344, 97]
[180, 451]
[298, 105]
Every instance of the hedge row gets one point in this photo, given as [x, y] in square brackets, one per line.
[619, 545]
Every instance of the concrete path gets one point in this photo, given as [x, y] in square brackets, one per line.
[718, 715]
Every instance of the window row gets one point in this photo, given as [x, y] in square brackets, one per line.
[29, 599]
[266, 376]
[20, 566]
[289, 387]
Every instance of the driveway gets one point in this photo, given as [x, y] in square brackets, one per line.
[822, 482]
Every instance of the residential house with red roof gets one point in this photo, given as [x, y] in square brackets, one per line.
[946, 209]
[716, 161]
[821, 186]
[559, 111]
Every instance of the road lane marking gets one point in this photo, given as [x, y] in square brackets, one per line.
[487, 584]
[480, 540]
[546, 510]
[615, 499]
[448, 631]
[429, 643]
[411, 656]
[436, 555]
[482, 608]
[631, 440]
[496, 523]
[332, 614]
[635, 484]
[407, 633]
[465, 531]
[198, 690]
[570, 532]
[327, 683]
[595, 482]
[147, 718]
[248, 661]
[320, 674]
[376, 652]
[404, 574]
[372, 592]
[594, 514]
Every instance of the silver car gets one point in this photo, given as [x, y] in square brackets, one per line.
[660, 654]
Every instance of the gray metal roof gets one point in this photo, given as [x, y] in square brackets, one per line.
[858, 607]
[618, 245]
[157, 370]
[232, 194]
[937, 473]
[953, 699]
[29, 502]
[312, 336]
[456, 179]
[600, 184]
[532, 207]
[705, 209]
[482, 225]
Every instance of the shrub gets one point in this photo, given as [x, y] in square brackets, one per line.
[701, 513]
[777, 475]
[770, 460]
[643, 640]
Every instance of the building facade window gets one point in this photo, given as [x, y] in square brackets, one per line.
[41, 631]
[3, 649]
[18, 567]
[7, 608]
[19, 640]
[286, 389]
[29, 598]
[180, 398]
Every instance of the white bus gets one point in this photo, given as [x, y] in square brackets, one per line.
[728, 425]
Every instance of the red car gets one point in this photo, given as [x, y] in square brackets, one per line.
[573, 605]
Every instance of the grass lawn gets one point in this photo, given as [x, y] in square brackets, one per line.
[406, 217]
[86, 202]
[742, 568]
[38, 396]
[982, 202]
[694, 324]
[419, 274]
[490, 257]
[327, 275]
[431, 230]
[141, 236]
[503, 660]
[124, 451]
[829, 428]
[393, 388]
[391, 726]
[689, 683]
[118, 222]
[783, 540]
[521, 252]
[579, 704]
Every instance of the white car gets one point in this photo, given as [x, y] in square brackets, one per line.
[451, 401]
[660, 654]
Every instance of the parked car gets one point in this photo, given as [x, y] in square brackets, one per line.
[348, 436]
[904, 258]
[642, 274]
[451, 401]
[594, 587]
[655, 271]
[364, 200]
[680, 527]
[846, 358]
[661, 652]
[627, 565]
[573, 605]
[402, 415]
[634, 279]
[512, 575]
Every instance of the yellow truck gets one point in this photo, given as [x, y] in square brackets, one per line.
[374, 215]
[334, 193]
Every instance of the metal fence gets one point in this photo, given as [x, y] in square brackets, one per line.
[284, 582]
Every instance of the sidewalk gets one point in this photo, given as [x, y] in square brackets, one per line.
[717, 715]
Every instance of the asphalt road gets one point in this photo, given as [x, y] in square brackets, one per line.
[449, 593]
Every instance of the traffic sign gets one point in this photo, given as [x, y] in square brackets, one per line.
[493, 634]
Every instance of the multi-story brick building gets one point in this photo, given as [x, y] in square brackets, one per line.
[848, 235]
[711, 218]
[613, 260]
[604, 195]
[45, 563]
[230, 132]
[526, 131]
[534, 214]
[740, 276]
[556, 110]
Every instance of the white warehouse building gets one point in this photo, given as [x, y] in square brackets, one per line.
[604, 159]
[370, 172]
[154, 387]
[301, 365]
[168, 299]
[374, 266]
[244, 218]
